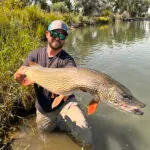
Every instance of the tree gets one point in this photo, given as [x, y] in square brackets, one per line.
[67, 3]
[42, 3]
[134, 7]
[59, 7]
[95, 7]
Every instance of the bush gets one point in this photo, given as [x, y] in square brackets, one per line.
[102, 19]
[125, 15]
[59, 7]
[106, 13]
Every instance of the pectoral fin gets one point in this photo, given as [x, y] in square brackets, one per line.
[92, 106]
[58, 100]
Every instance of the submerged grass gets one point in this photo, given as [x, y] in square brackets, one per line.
[22, 29]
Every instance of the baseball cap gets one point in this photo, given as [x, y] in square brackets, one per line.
[58, 24]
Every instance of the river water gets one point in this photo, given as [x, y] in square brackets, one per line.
[121, 50]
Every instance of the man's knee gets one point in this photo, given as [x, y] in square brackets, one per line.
[77, 124]
[81, 132]
[44, 123]
[45, 126]
[83, 136]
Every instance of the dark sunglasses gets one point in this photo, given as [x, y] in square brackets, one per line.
[55, 34]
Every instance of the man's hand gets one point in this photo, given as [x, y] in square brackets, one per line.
[21, 77]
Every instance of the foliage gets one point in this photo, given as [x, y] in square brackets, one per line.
[94, 7]
[16, 40]
[77, 7]
[41, 3]
[106, 13]
[12, 4]
[59, 7]
[67, 3]
[134, 7]
[125, 15]
[97, 7]
[87, 7]
[103, 19]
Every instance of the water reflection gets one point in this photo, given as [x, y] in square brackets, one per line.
[108, 134]
[81, 41]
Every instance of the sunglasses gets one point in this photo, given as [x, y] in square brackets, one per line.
[55, 34]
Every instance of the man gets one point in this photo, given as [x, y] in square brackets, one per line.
[66, 114]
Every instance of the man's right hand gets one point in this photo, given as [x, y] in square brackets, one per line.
[21, 77]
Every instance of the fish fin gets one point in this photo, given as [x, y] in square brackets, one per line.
[92, 106]
[33, 63]
[57, 100]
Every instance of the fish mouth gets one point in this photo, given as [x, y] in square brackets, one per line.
[131, 109]
[128, 108]
[137, 112]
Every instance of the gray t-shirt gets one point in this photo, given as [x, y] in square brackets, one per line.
[61, 60]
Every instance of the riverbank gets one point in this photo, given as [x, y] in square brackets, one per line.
[137, 19]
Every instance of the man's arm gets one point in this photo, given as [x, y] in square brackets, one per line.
[21, 77]
[70, 63]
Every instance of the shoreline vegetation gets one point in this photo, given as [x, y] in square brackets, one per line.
[22, 29]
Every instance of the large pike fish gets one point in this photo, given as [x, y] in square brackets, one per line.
[65, 81]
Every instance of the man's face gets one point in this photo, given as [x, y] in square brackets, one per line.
[56, 39]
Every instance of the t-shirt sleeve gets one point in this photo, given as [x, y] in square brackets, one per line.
[31, 57]
[70, 63]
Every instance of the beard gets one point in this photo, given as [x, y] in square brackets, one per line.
[55, 45]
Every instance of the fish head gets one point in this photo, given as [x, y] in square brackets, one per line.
[120, 97]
